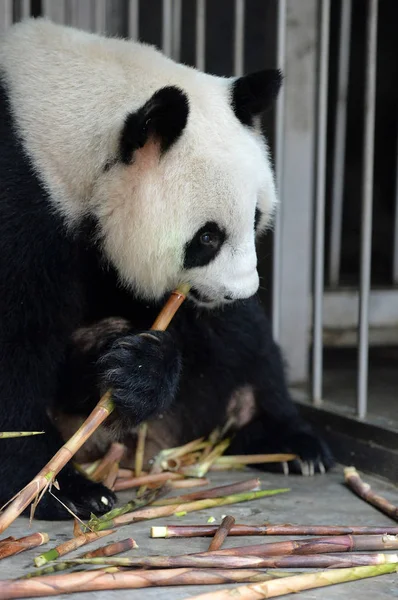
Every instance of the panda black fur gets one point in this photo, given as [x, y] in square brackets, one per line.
[122, 174]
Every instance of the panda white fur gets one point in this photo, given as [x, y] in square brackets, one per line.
[122, 174]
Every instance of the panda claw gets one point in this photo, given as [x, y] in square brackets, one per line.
[321, 467]
[285, 467]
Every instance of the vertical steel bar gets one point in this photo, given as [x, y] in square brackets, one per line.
[367, 206]
[239, 38]
[82, 14]
[134, 15]
[320, 177]
[339, 144]
[5, 14]
[167, 26]
[100, 15]
[176, 35]
[200, 53]
[395, 251]
[55, 10]
[25, 9]
[279, 156]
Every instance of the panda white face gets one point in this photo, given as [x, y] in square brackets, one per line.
[196, 183]
[169, 161]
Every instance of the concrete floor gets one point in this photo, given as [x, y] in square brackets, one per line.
[318, 500]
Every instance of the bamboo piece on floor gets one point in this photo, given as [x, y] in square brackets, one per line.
[190, 482]
[69, 546]
[92, 581]
[210, 560]
[110, 479]
[16, 434]
[45, 478]
[200, 468]
[250, 485]
[162, 511]
[128, 484]
[104, 551]
[297, 583]
[364, 491]
[15, 546]
[114, 455]
[139, 453]
[221, 533]
[182, 531]
[125, 473]
[254, 459]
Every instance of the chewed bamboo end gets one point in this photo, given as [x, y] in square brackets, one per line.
[158, 532]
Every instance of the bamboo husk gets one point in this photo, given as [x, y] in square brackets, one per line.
[114, 455]
[200, 469]
[162, 511]
[12, 546]
[298, 583]
[188, 483]
[104, 551]
[126, 474]
[105, 406]
[128, 484]
[110, 479]
[221, 533]
[139, 453]
[222, 490]
[69, 546]
[91, 581]
[182, 531]
[254, 459]
[364, 491]
[209, 560]
[176, 452]
[16, 434]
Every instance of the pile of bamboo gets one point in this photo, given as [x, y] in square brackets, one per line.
[344, 553]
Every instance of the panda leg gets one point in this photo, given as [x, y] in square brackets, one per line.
[278, 426]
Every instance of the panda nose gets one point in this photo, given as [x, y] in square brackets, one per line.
[228, 297]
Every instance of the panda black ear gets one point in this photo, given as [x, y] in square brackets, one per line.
[253, 94]
[163, 117]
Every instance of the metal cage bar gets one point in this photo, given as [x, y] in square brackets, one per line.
[339, 144]
[100, 15]
[395, 249]
[25, 9]
[367, 206]
[167, 26]
[279, 157]
[82, 14]
[134, 19]
[200, 47]
[176, 36]
[239, 38]
[320, 179]
[55, 10]
[5, 14]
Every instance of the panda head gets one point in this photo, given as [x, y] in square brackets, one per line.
[189, 187]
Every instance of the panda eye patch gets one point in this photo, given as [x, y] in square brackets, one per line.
[204, 246]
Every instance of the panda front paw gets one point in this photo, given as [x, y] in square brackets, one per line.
[143, 372]
[80, 495]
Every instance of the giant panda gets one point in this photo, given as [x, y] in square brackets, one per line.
[124, 174]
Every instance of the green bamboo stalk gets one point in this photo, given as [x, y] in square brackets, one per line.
[131, 506]
[105, 551]
[68, 546]
[16, 434]
[172, 509]
[298, 583]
